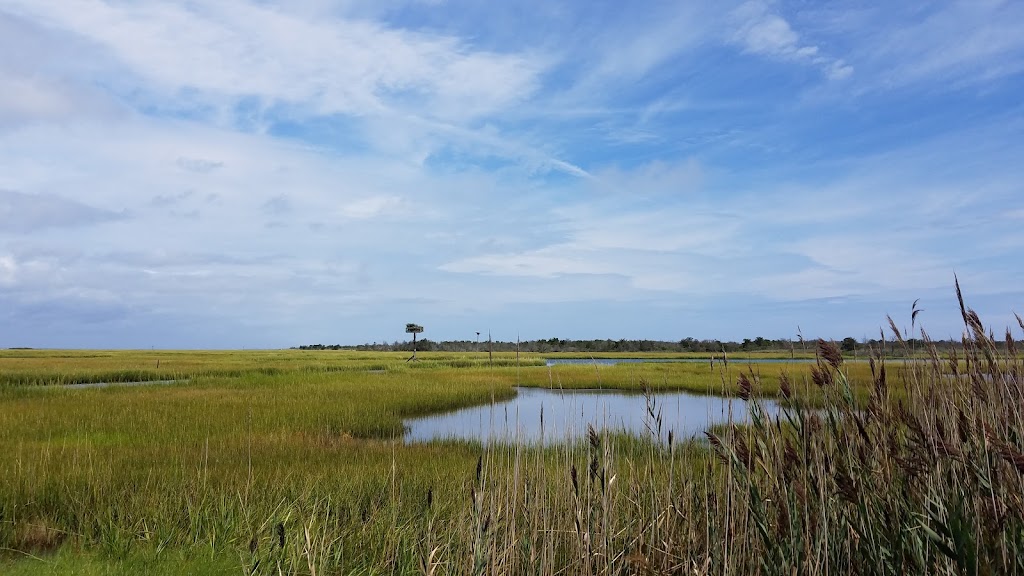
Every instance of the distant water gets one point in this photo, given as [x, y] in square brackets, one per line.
[612, 361]
[566, 415]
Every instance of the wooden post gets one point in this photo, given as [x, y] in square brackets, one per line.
[413, 329]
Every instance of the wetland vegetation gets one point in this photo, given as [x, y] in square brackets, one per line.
[267, 462]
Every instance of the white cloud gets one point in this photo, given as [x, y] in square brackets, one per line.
[235, 49]
[666, 32]
[250, 66]
[544, 263]
[677, 228]
[8, 270]
[936, 46]
[874, 226]
[639, 274]
[963, 43]
[33, 274]
[761, 31]
[657, 179]
[201, 201]
[765, 33]
[857, 264]
[654, 250]
[374, 207]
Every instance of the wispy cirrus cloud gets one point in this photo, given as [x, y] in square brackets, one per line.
[936, 48]
[987, 47]
[761, 30]
[237, 64]
[374, 206]
[250, 50]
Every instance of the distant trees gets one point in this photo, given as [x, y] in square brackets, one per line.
[707, 346]
[596, 346]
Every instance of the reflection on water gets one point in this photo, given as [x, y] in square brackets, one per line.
[552, 416]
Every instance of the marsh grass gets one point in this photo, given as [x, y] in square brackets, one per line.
[876, 468]
[60, 367]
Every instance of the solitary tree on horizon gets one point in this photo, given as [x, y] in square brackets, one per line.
[413, 329]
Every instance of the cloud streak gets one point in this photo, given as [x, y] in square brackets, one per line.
[761, 31]
[249, 50]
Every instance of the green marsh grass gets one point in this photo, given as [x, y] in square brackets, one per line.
[287, 462]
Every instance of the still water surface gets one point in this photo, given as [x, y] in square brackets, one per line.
[552, 416]
[613, 361]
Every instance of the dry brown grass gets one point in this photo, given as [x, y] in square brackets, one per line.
[37, 536]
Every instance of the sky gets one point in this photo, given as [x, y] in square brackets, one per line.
[264, 174]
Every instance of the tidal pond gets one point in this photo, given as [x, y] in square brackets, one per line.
[553, 416]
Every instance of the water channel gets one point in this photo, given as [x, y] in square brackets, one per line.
[718, 360]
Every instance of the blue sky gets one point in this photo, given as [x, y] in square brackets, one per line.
[259, 174]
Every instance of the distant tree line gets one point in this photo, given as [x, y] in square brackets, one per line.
[849, 345]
